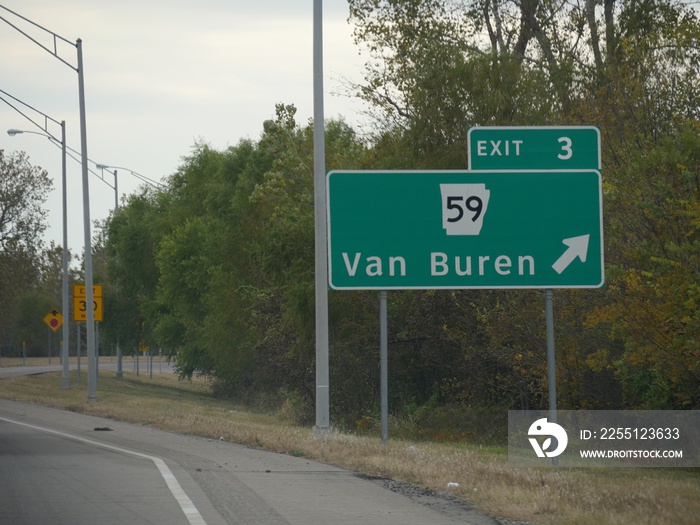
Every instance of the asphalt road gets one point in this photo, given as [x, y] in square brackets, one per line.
[59, 467]
[105, 366]
[50, 478]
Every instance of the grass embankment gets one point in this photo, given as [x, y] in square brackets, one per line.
[542, 496]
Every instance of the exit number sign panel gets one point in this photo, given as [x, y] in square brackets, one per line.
[533, 147]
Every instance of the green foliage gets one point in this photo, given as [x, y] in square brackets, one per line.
[30, 275]
[131, 274]
[23, 189]
[32, 332]
[218, 268]
[653, 297]
[630, 68]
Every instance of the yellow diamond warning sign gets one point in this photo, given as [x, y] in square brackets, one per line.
[54, 319]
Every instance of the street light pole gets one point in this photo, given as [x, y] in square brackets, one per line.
[116, 191]
[323, 425]
[120, 372]
[143, 178]
[116, 209]
[65, 379]
[89, 296]
[90, 321]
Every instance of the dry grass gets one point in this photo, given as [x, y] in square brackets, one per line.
[543, 496]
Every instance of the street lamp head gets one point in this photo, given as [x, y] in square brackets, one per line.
[13, 132]
[101, 166]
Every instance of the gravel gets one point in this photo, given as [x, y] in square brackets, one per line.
[445, 503]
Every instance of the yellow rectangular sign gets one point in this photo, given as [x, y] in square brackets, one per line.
[80, 291]
[80, 304]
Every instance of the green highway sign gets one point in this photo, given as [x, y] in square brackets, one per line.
[534, 148]
[464, 229]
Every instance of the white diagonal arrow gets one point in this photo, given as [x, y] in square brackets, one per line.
[577, 247]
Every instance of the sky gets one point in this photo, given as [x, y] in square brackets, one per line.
[161, 76]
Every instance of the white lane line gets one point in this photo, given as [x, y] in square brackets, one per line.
[188, 508]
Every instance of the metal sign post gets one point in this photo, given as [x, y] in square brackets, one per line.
[384, 365]
[543, 147]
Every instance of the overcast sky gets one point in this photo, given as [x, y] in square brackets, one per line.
[161, 75]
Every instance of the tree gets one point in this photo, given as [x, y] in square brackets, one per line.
[229, 244]
[654, 269]
[19, 274]
[23, 190]
[130, 273]
[437, 66]
[630, 67]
